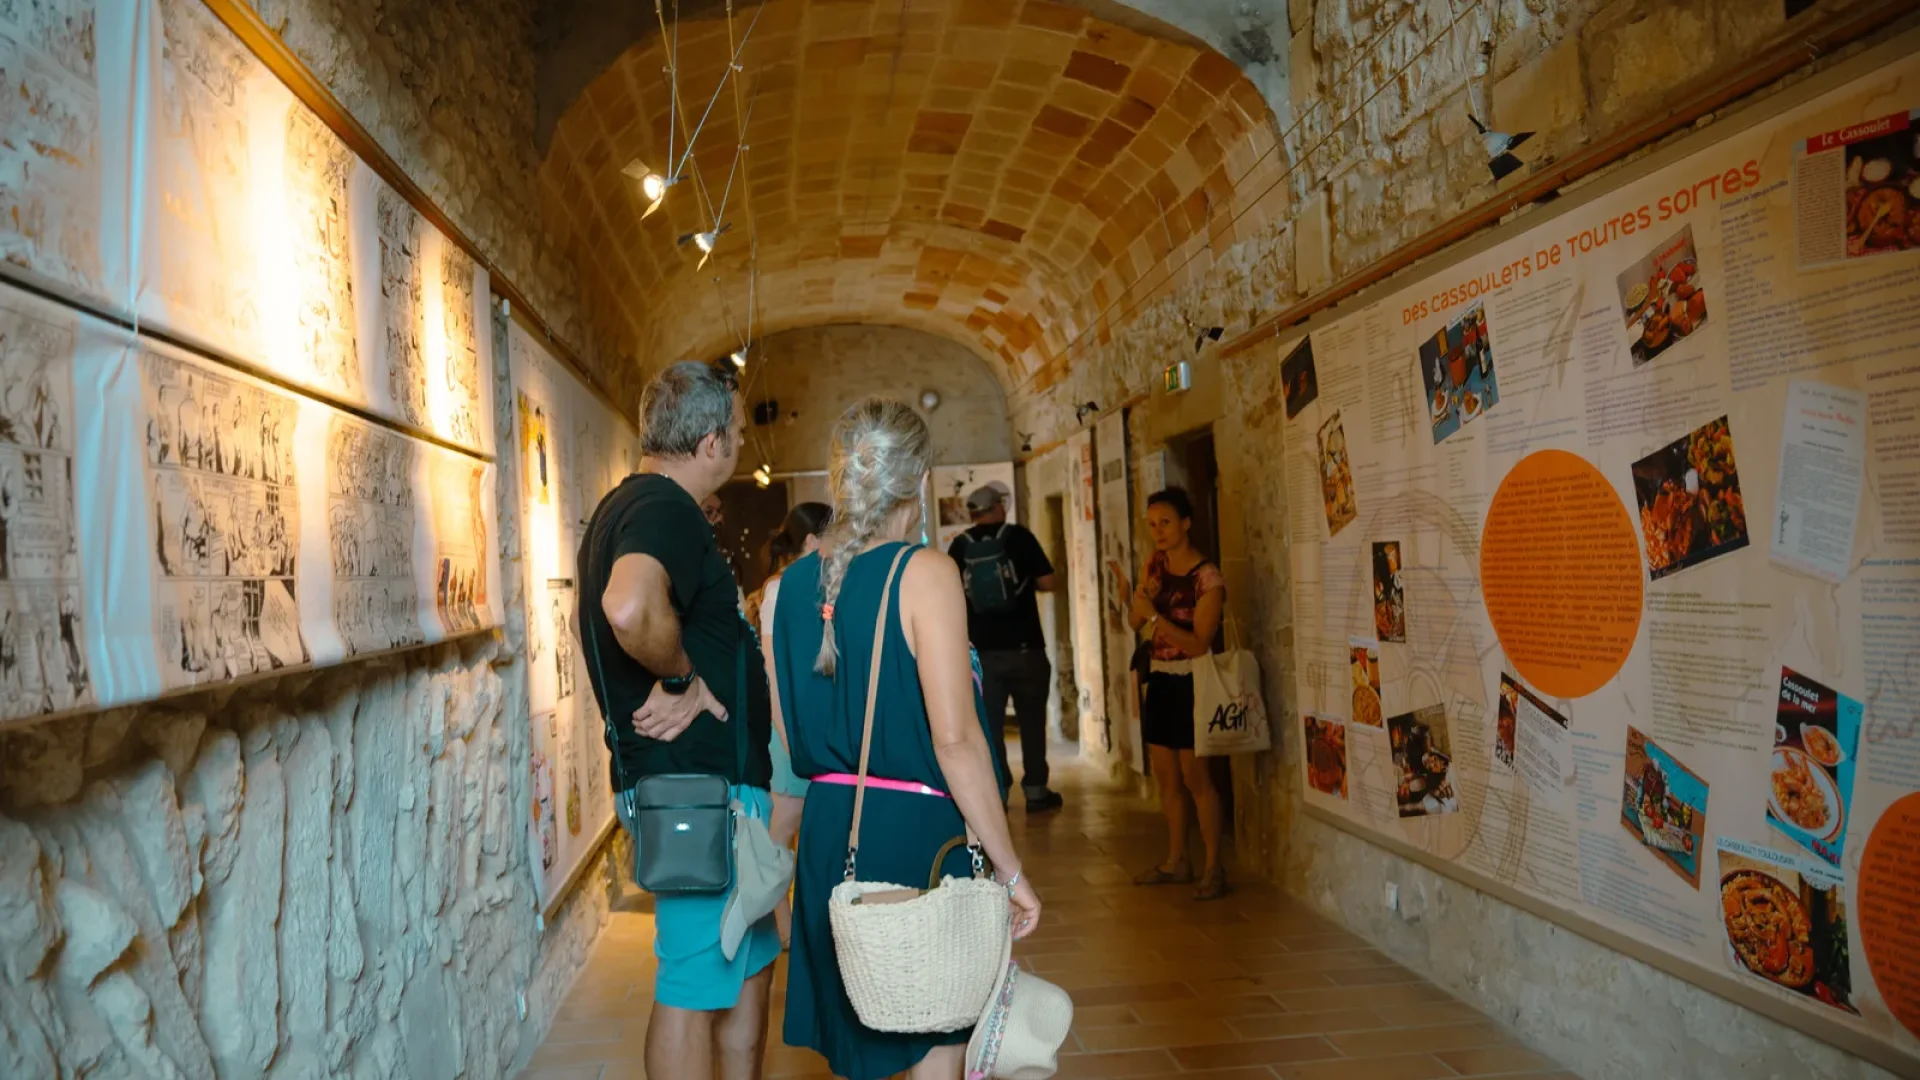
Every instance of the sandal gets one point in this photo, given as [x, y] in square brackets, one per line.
[1213, 887]
[1154, 875]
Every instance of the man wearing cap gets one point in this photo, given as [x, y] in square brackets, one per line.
[1003, 566]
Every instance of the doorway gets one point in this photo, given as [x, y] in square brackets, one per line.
[1064, 706]
[750, 515]
[1191, 465]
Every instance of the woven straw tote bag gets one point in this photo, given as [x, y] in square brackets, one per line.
[915, 961]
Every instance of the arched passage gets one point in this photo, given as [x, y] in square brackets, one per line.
[1000, 174]
[578, 39]
[812, 373]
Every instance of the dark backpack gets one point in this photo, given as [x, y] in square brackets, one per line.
[986, 570]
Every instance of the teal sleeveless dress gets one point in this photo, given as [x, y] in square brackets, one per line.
[901, 832]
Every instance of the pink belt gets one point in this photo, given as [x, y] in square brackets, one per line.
[850, 780]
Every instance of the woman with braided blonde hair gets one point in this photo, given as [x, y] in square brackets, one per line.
[930, 772]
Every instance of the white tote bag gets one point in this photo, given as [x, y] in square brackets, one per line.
[1229, 716]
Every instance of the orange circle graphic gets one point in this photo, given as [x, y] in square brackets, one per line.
[1560, 573]
[1889, 914]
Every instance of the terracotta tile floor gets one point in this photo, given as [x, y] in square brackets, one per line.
[1254, 987]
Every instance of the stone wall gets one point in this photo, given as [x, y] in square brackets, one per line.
[1602, 1014]
[324, 874]
[447, 89]
[1037, 484]
[1575, 71]
[816, 373]
[1377, 149]
[318, 875]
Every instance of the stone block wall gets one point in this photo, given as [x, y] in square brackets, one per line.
[1403, 160]
[324, 874]
[447, 89]
[816, 373]
[321, 875]
[1377, 149]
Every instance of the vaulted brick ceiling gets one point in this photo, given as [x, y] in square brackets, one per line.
[1001, 172]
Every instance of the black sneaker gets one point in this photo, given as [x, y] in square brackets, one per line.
[1049, 800]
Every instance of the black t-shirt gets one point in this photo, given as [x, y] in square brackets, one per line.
[1020, 627]
[652, 515]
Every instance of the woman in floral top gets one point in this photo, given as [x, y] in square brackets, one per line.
[1179, 604]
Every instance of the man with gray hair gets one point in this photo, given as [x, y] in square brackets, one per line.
[665, 643]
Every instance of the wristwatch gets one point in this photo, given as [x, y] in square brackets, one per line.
[678, 684]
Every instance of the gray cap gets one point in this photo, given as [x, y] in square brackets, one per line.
[984, 499]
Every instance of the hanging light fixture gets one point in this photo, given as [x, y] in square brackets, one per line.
[653, 185]
[763, 475]
[739, 357]
[706, 240]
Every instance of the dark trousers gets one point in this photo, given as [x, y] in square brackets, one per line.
[1025, 676]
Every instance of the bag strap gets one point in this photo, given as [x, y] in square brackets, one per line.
[946, 849]
[613, 737]
[602, 692]
[971, 840]
[873, 693]
[737, 718]
[1230, 639]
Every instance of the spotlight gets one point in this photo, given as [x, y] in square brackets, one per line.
[1211, 333]
[652, 184]
[705, 241]
[763, 476]
[739, 357]
[1500, 145]
[1085, 409]
[1026, 442]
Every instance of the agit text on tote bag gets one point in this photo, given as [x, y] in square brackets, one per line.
[1229, 716]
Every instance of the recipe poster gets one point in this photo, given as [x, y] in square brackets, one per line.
[1618, 544]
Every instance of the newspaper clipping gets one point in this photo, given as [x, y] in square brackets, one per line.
[370, 512]
[225, 513]
[50, 159]
[319, 166]
[43, 663]
[459, 487]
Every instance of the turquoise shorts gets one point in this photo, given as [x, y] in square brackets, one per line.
[784, 782]
[693, 974]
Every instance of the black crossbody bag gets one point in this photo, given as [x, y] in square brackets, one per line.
[681, 823]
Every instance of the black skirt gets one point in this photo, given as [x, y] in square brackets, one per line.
[1167, 717]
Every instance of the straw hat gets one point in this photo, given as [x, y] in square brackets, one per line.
[1019, 1036]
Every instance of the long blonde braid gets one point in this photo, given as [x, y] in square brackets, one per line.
[881, 451]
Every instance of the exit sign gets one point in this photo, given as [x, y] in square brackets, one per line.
[1177, 377]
